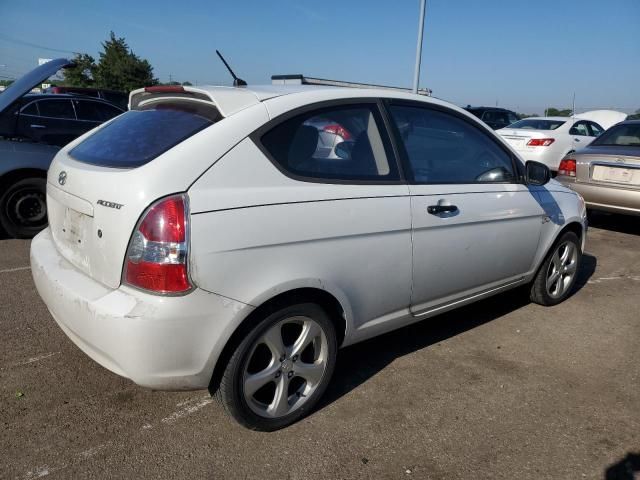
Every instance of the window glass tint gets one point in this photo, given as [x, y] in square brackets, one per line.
[31, 109]
[120, 99]
[137, 137]
[512, 118]
[442, 148]
[56, 109]
[579, 128]
[538, 124]
[596, 129]
[626, 135]
[494, 116]
[342, 143]
[95, 111]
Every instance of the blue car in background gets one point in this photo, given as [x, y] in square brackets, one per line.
[32, 130]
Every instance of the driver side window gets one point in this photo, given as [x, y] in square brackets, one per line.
[443, 148]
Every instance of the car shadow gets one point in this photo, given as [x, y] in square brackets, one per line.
[624, 469]
[358, 363]
[615, 222]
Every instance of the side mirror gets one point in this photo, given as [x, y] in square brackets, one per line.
[537, 173]
[343, 150]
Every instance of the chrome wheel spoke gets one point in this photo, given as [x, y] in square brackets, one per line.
[280, 404]
[255, 381]
[311, 372]
[571, 268]
[567, 255]
[273, 340]
[552, 280]
[557, 263]
[310, 331]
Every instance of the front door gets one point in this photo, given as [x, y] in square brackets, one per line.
[475, 227]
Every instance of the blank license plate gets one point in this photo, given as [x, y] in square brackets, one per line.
[616, 174]
[72, 227]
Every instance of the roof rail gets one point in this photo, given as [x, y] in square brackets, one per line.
[299, 79]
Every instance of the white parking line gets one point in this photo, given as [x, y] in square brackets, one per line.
[35, 359]
[189, 406]
[17, 269]
[188, 410]
[635, 278]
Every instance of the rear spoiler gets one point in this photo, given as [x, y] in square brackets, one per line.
[227, 100]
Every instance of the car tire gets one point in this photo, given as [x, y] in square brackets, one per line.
[262, 386]
[23, 209]
[556, 277]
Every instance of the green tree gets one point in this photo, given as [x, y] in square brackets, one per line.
[120, 69]
[634, 116]
[527, 115]
[82, 73]
[554, 112]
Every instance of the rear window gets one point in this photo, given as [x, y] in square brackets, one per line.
[137, 137]
[533, 124]
[625, 135]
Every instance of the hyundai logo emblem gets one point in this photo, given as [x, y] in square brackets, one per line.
[62, 178]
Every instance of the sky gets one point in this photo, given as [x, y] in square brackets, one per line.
[520, 54]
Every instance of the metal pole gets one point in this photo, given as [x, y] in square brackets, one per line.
[416, 75]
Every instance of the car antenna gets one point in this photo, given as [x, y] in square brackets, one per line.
[237, 82]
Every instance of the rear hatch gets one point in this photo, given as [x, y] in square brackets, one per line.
[100, 184]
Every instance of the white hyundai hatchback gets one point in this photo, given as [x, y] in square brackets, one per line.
[203, 239]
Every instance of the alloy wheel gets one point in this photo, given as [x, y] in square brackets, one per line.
[285, 366]
[562, 269]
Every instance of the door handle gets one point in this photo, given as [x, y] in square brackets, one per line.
[438, 209]
[34, 125]
[577, 139]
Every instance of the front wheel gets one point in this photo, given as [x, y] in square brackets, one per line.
[556, 278]
[280, 369]
[23, 209]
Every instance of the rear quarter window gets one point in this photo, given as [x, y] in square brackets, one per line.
[137, 137]
[340, 144]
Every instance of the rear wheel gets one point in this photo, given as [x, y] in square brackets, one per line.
[23, 208]
[281, 368]
[557, 275]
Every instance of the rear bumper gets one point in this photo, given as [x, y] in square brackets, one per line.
[161, 342]
[551, 158]
[604, 197]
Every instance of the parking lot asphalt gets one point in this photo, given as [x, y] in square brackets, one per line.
[499, 389]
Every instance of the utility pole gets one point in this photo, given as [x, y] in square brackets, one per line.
[416, 75]
[170, 79]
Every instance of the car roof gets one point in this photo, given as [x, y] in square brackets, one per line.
[563, 119]
[75, 96]
[495, 109]
[230, 100]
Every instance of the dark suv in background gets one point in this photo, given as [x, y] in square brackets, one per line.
[495, 117]
[55, 119]
[32, 130]
[118, 98]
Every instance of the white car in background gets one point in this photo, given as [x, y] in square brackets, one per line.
[204, 239]
[548, 139]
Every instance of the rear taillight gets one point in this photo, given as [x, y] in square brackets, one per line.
[337, 130]
[567, 167]
[157, 255]
[540, 142]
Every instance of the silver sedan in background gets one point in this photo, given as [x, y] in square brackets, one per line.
[607, 172]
